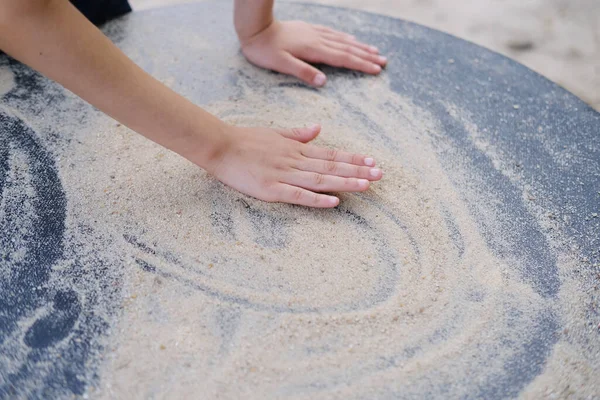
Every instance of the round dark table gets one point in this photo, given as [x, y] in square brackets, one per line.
[536, 154]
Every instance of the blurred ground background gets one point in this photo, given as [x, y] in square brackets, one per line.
[557, 38]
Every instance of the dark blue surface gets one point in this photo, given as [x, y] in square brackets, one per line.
[547, 123]
[51, 358]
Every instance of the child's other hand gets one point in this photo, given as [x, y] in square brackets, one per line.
[284, 46]
[277, 165]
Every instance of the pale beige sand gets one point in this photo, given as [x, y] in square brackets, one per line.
[256, 300]
[253, 300]
[560, 39]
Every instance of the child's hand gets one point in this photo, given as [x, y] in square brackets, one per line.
[277, 165]
[282, 46]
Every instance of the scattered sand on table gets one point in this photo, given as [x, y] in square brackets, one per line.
[228, 296]
[556, 38]
[7, 81]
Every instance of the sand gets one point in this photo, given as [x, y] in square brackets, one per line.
[396, 293]
[556, 38]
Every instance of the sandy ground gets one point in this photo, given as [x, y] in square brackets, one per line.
[560, 39]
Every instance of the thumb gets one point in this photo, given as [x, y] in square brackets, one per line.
[293, 66]
[303, 135]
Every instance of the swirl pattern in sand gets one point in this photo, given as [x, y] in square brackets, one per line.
[396, 292]
[460, 274]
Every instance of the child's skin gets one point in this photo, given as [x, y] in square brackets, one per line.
[52, 37]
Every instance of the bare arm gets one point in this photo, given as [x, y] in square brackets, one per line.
[52, 37]
[252, 16]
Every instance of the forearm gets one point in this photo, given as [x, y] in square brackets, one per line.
[55, 39]
[252, 17]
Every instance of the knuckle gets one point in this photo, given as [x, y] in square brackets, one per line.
[267, 186]
[359, 171]
[296, 132]
[316, 198]
[319, 178]
[298, 194]
[332, 154]
[281, 164]
[295, 158]
[355, 159]
[330, 166]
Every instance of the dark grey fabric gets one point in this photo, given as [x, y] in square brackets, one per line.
[101, 11]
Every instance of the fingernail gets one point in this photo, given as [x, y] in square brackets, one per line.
[363, 182]
[314, 127]
[375, 172]
[369, 161]
[373, 48]
[319, 80]
[383, 59]
[377, 68]
[333, 200]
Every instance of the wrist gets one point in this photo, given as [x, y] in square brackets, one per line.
[208, 144]
[247, 32]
